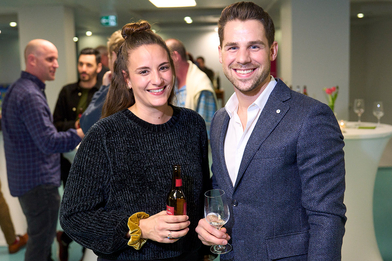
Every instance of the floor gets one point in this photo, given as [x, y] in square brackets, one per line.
[382, 222]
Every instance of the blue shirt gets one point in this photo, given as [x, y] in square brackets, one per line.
[94, 110]
[206, 105]
[31, 142]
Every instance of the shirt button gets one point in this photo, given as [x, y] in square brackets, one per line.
[73, 109]
[79, 93]
[234, 202]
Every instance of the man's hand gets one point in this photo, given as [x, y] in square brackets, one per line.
[80, 133]
[209, 235]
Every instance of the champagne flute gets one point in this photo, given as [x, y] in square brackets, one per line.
[217, 213]
[359, 108]
[378, 111]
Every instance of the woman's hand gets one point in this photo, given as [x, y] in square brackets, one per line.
[164, 228]
[209, 235]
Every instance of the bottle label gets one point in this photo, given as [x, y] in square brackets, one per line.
[178, 182]
[169, 210]
[185, 208]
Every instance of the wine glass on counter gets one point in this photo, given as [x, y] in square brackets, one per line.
[359, 108]
[378, 111]
[217, 213]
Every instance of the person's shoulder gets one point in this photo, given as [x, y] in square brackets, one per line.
[70, 86]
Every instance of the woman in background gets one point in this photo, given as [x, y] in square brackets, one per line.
[115, 198]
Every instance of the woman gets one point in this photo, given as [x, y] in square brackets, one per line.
[115, 198]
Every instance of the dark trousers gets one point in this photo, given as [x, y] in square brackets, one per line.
[40, 206]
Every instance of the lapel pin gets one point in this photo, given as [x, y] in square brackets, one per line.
[277, 111]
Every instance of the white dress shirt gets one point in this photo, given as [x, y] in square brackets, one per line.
[237, 137]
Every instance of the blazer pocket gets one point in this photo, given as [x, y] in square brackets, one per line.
[288, 245]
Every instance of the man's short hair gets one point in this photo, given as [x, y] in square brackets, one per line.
[201, 58]
[244, 11]
[92, 51]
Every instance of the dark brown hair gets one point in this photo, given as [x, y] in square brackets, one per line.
[246, 11]
[119, 96]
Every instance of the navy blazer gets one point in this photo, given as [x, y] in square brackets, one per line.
[287, 202]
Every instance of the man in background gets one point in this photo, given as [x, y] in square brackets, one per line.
[71, 103]
[14, 242]
[277, 154]
[202, 65]
[193, 88]
[32, 146]
[93, 112]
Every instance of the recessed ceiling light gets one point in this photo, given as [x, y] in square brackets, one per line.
[188, 19]
[89, 33]
[173, 3]
[75, 39]
[13, 24]
[360, 15]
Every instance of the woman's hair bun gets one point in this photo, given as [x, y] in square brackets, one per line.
[132, 28]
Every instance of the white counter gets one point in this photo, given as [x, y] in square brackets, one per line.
[363, 151]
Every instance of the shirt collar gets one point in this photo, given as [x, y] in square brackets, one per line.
[232, 104]
[33, 78]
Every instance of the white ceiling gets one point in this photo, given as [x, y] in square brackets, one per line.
[206, 13]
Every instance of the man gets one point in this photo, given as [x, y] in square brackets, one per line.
[14, 242]
[193, 88]
[276, 153]
[93, 112]
[202, 65]
[32, 146]
[71, 103]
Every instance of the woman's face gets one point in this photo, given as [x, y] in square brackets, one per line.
[150, 75]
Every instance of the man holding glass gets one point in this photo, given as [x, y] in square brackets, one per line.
[276, 153]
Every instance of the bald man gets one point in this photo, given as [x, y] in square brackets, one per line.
[32, 148]
[193, 88]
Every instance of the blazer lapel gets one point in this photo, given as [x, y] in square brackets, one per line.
[222, 123]
[272, 114]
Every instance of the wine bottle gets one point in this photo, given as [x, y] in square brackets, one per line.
[305, 92]
[176, 202]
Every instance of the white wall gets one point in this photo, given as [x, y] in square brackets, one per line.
[371, 71]
[10, 66]
[317, 33]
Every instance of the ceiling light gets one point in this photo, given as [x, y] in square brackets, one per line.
[173, 3]
[75, 39]
[360, 15]
[13, 24]
[89, 33]
[188, 19]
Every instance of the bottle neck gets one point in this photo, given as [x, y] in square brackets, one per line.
[177, 180]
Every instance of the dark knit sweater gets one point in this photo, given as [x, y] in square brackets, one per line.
[123, 166]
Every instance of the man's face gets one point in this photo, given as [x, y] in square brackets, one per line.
[87, 68]
[245, 55]
[46, 62]
[200, 62]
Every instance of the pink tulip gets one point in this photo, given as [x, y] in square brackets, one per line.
[328, 91]
[333, 89]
